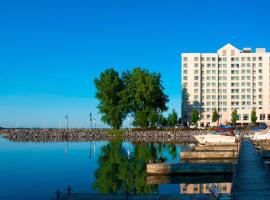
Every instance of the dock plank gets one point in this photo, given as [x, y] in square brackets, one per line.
[252, 175]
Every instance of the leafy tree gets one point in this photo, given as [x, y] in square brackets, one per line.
[253, 116]
[184, 105]
[215, 116]
[139, 93]
[234, 116]
[143, 96]
[162, 120]
[109, 87]
[172, 118]
[194, 116]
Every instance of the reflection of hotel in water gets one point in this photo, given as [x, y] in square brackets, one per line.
[203, 188]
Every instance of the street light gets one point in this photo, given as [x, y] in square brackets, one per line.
[90, 119]
[67, 119]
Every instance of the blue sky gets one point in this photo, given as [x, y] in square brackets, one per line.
[50, 51]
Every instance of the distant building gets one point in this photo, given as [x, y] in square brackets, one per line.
[226, 80]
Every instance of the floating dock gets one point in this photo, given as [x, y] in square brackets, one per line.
[208, 155]
[189, 168]
[252, 178]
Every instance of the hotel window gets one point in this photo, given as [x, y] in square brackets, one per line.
[185, 85]
[185, 72]
[196, 78]
[254, 58]
[224, 78]
[213, 65]
[232, 58]
[213, 71]
[260, 70]
[243, 84]
[185, 78]
[262, 116]
[225, 65]
[185, 59]
[224, 90]
[202, 58]
[242, 78]
[196, 97]
[196, 65]
[245, 117]
[196, 90]
[196, 71]
[224, 59]
[196, 84]
[248, 58]
[243, 65]
[196, 58]
[213, 59]
[208, 78]
[208, 97]
[213, 78]
[213, 96]
[185, 65]
[238, 117]
[268, 116]
[224, 109]
[208, 65]
[260, 58]
[213, 84]
[243, 59]
[208, 59]
[208, 84]
[260, 64]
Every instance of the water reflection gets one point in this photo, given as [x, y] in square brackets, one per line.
[203, 188]
[122, 170]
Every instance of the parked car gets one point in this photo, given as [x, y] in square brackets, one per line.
[193, 126]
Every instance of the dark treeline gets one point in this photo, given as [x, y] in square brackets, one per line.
[137, 93]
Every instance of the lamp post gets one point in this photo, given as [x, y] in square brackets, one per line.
[67, 120]
[90, 119]
[95, 122]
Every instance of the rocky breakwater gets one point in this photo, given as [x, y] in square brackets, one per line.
[163, 136]
[136, 135]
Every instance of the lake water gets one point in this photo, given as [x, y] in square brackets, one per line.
[36, 170]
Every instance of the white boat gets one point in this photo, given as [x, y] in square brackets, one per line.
[211, 138]
[264, 135]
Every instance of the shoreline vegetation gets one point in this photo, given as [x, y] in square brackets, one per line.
[169, 135]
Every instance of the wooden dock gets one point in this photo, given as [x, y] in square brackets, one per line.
[189, 168]
[252, 177]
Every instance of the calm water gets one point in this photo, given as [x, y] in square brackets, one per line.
[36, 170]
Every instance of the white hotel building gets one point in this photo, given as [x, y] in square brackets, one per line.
[226, 80]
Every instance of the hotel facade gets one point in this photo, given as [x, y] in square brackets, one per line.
[226, 80]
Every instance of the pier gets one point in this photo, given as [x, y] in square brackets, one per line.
[252, 176]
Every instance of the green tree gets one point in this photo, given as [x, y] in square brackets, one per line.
[143, 96]
[253, 116]
[108, 89]
[162, 120]
[234, 116]
[172, 118]
[215, 116]
[194, 116]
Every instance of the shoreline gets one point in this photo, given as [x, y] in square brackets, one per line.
[80, 135]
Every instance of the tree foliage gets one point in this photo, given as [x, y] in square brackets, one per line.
[172, 118]
[234, 116]
[215, 116]
[253, 116]
[194, 116]
[137, 92]
[109, 87]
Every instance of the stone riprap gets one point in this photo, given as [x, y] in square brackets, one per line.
[135, 135]
[46, 135]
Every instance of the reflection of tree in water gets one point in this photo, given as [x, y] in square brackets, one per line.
[118, 173]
